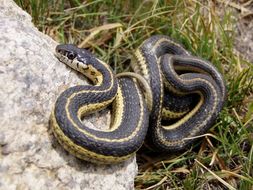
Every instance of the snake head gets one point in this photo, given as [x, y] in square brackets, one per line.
[67, 51]
[72, 56]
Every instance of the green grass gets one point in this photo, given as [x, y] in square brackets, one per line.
[114, 29]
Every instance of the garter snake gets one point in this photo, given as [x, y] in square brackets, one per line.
[165, 66]
[130, 119]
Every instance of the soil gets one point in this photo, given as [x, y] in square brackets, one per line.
[244, 26]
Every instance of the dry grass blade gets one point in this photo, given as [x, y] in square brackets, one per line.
[236, 6]
[201, 136]
[234, 174]
[181, 170]
[216, 176]
[94, 31]
[158, 184]
[215, 156]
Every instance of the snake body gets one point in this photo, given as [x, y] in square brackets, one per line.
[173, 76]
[129, 124]
[159, 58]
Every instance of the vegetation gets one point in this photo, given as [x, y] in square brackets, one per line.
[113, 30]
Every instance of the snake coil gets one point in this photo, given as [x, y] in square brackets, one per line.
[185, 93]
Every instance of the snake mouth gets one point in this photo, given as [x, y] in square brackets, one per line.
[57, 55]
[61, 57]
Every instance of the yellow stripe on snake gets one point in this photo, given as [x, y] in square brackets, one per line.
[182, 98]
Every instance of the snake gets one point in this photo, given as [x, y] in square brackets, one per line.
[129, 122]
[165, 63]
[183, 97]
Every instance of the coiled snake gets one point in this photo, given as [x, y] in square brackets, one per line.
[185, 93]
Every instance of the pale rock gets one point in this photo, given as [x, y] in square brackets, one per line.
[31, 78]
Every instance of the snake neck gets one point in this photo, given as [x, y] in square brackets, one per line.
[98, 72]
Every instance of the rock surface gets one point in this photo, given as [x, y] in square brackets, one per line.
[31, 78]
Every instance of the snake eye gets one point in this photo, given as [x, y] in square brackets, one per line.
[71, 55]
